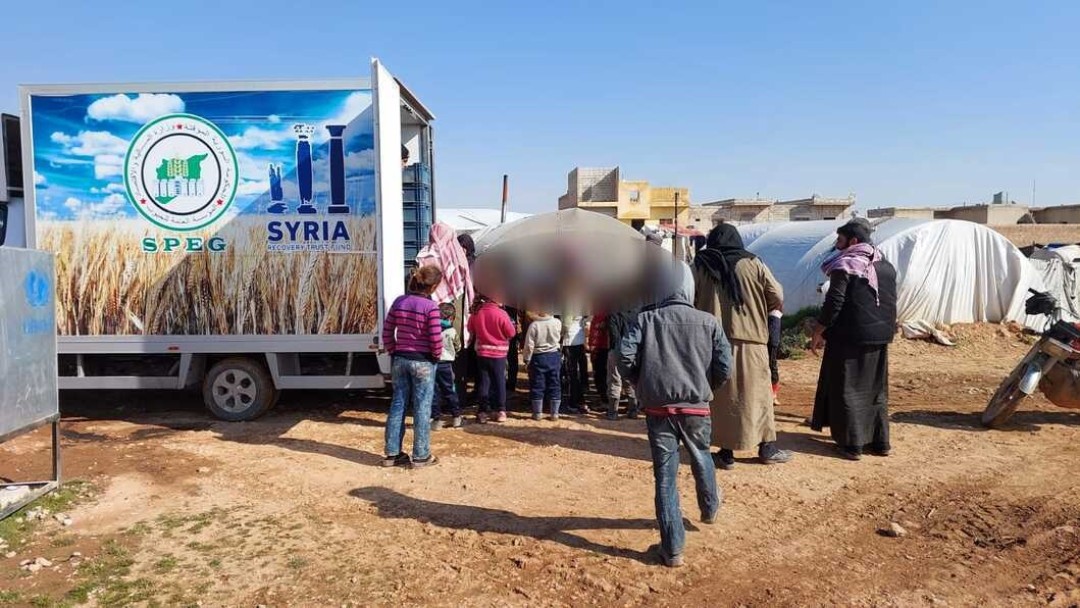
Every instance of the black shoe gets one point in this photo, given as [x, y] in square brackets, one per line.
[724, 459]
[878, 450]
[633, 414]
[849, 453]
[426, 462]
[709, 519]
[671, 561]
[776, 456]
[401, 460]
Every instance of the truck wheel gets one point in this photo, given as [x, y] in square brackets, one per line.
[238, 389]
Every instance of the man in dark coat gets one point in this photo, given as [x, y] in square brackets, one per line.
[856, 325]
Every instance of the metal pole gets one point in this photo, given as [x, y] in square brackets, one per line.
[505, 197]
[675, 239]
[56, 450]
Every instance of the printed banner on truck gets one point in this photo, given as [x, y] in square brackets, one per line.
[209, 213]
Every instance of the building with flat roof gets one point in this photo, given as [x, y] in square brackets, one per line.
[759, 210]
[918, 213]
[601, 189]
[1060, 214]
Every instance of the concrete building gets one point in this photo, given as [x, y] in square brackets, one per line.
[1061, 214]
[758, 210]
[701, 218]
[602, 190]
[993, 215]
[918, 213]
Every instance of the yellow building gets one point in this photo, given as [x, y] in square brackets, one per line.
[631, 201]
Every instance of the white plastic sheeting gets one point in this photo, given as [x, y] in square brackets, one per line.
[1059, 270]
[948, 271]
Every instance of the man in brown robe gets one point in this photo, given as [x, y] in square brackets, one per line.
[737, 288]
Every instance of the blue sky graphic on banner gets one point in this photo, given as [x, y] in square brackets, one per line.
[280, 141]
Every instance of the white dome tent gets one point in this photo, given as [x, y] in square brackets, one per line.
[1059, 269]
[948, 271]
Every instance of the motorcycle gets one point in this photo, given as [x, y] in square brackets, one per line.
[1051, 366]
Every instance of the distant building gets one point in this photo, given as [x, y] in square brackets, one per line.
[919, 213]
[631, 201]
[759, 210]
[991, 214]
[1000, 212]
[1061, 214]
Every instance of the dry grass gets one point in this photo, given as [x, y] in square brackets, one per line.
[107, 285]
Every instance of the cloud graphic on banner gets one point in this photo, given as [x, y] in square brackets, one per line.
[108, 165]
[107, 150]
[360, 161]
[39, 180]
[355, 104]
[142, 109]
[106, 208]
[248, 187]
[256, 138]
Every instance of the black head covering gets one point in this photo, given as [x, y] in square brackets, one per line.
[699, 243]
[466, 242]
[723, 249]
[857, 228]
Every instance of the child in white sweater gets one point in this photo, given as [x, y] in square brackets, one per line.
[543, 356]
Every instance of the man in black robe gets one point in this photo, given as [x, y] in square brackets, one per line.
[856, 325]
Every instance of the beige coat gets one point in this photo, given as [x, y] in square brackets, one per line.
[742, 410]
[761, 293]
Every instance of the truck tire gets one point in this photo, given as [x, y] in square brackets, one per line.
[238, 389]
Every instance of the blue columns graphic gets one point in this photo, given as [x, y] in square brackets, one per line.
[337, 170]
[277, 205]
[304, 173]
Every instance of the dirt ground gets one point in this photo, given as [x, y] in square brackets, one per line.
[293, 509]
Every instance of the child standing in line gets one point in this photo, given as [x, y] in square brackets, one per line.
[445, 390]
[599, 347]
[492, 330]
[543, 359]
[412, 335]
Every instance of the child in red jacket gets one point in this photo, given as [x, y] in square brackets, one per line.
[492, 331]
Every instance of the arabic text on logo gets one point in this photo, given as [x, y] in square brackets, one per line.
[181, 172]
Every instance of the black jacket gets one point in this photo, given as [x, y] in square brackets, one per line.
[851, 314]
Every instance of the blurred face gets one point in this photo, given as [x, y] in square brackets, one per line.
[843, 242]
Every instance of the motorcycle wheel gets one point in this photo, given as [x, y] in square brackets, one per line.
[1007, 398]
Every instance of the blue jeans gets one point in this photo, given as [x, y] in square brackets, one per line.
[414, 384]
[445, 391]
[544, 377]
[665, 433]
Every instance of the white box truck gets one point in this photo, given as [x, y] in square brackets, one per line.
[235, 237]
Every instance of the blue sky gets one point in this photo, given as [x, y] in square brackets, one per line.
[902, 103]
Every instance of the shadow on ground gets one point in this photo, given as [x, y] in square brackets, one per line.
[395, 505]
[969, 421]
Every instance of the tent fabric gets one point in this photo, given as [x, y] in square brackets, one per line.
[948, 271]
[473, 220]
[1059, 270]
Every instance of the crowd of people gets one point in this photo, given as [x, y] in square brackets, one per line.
[699, 360]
